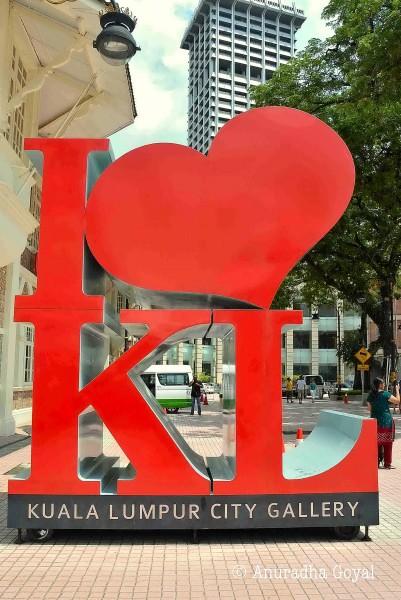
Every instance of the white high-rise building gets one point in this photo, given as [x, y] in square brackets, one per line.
[233, 44]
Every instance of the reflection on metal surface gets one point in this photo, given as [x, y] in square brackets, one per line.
[229, 396]
[193, 457]
[93, 464]
[179, 300]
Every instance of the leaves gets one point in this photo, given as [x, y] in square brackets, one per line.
[352, 81]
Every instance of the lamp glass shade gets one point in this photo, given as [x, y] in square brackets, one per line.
[116, 45]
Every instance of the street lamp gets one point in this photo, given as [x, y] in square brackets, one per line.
[115, 43]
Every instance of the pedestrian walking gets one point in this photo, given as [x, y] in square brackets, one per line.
[393, 390]
[313, 390]
[379, 403]
[196, 392]
[301, 388]
[289, 386]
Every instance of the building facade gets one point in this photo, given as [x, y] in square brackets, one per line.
[232, 45]
[203, 355]
[52, 84]
[312, 347]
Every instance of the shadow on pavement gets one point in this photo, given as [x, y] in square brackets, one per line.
[243, 537]
[133, 538]
[22, 443]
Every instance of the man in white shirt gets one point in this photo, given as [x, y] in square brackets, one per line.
[301, 388]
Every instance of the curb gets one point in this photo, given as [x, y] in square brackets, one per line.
[27, 437]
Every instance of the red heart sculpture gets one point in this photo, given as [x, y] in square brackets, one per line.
[164, 217]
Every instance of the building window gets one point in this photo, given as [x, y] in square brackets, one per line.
[306, 309]
[327, 310]
[328, 372]
[34, 209]
[28, 356]
[302, 369]
[15, 129]
[173, 378]
[302, 340]
[122, 302]
[327, 340]
[207, 368]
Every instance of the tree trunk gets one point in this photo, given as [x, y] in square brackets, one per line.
[385, 323]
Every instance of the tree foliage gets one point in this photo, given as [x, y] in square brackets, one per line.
[352, 81]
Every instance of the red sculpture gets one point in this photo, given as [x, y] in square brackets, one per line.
[266, 170]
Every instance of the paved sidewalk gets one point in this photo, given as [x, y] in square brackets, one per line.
[290, 565]
[305, 415]
[21, 435]
[295, 415]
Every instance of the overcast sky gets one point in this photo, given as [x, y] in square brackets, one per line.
[160, 71]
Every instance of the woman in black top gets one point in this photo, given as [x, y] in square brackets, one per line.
[196, 391]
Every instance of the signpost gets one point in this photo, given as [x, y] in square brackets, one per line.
[363, 355]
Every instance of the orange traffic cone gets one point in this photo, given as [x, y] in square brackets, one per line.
[300, 437]
[346, 399]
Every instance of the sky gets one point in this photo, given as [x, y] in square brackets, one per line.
[160, 71]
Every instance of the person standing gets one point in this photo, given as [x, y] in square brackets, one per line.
[289, 386]
[196, 392]
[393, 390]
[313, 390]
[301, 388]
[379, 403]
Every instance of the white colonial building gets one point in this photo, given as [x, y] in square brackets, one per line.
[52, 84]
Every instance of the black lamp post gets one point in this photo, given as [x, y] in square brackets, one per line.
[115, 42]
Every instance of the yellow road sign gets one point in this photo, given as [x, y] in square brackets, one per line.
[363, 355]
[362, 367]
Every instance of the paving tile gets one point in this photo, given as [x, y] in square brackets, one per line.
[156, 566]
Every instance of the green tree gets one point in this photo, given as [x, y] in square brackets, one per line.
[347, 349]
[352, 81]
[203, 378]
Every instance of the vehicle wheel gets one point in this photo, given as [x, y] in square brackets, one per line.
[346, 533]
[39, 535]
